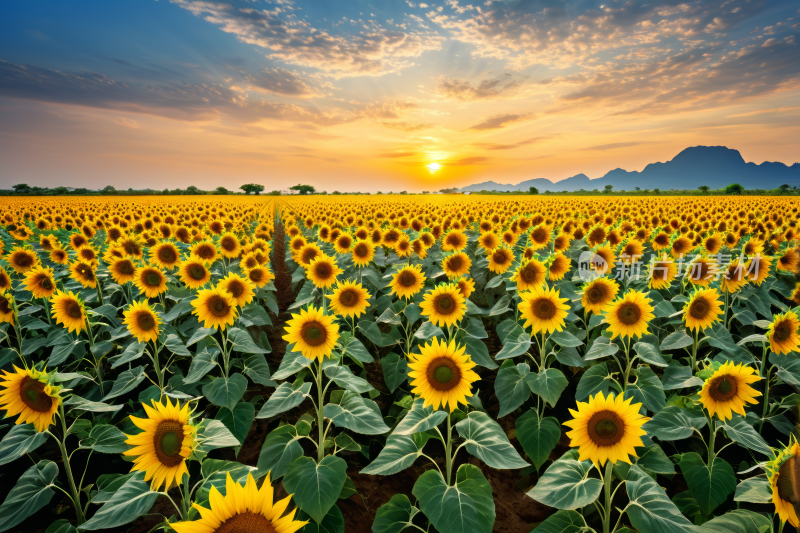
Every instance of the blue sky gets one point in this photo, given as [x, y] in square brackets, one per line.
[367, 95]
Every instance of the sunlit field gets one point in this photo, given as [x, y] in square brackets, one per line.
[459, 364]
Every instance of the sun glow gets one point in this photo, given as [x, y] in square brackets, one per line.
[433, 167]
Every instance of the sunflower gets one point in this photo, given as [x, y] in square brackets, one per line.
[628, 316]
[312, 333]
[408, 281]
[661, 272]
[442, 374]
[230, 245]
[238, 288]
[758, 269]
[444, 305]
[22, 259]
[6, 308]
[539, 237]
[728, 390]
[165, 255]
[215, 308]
[543, 309]
[349, 299]
[455, 240]
[296, 243]
[343, 243]
[456, 265]
[466, 286]
[500, 260]
[598, 293]
[28, 394]
[403, 246]
[40, 281]
[782, 333]
[784, 479]
[243, 509]
[789, 261]
[702, 271]
[307, 253]
[529, 274]
[489, 241]
[680, 246]
[205, 250]
[142, 321]
[5, 281]
[607, 428]
[363, 252]
[603, 260]
[259, 276]
[69, 310]
[194, 272]
[322, 271]
[122, 270]
[88, 255]
[702, 309]
[60, 256]
[559, 266]
[150, 281]
[83, 273]
[161, 449]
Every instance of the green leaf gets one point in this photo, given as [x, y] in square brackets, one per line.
[485, 439]
[200, 334]
[395, 370]
[653, 459]
[344, 377]
[428, 330]
[740, 431]
[650, 509]
[106, 438]
[243, 342]
[292, 363]
[82, 404]
[201, 365]
[565, 339]
[475, 329]
[108, 484]
[371, 331]
[395, 515]
[215, 472]
[679, 377]
[126, 382]
[226, 392]
[62, 352]
[129, 502]
[740, 521]
[710, 485]
[213, 434]
[399, 452]
[596, 379]
[562, 522]
[257, 369]
[601, 347]
[332, 523]
[547, 384]
[511, 388]
[514, 346]
[479, 353]
[566, 485]
[419, 419]
[175, 345]
[355, 348]
[466, 507]
[356, 414]
[676, 340]
[647, 390]
[285, 397]
[21, 439]
[538, 436]
[31, 492]
[671, 423]
[61, 526]
[280, 449]
[754, 490]
[238, 420]
[133, 352]
[316, 487]
[649, 353]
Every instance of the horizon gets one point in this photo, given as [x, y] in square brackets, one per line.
[411, 95]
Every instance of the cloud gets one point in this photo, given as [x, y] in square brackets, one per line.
[280, 81]
[386, 110]
[374, 51]
[487, 89]
[406, 126]
[467, 161]
[500, 121]
[397, 155]
[614, 146]
[495, 146]
[122, 121]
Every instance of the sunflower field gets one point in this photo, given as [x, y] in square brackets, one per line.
[444, 364]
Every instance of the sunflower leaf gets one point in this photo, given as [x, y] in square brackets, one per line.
[650, 509]
[562, 522]
[129, 502]
[547, 384]
[538, 436]
[316, 487]
[243, 342]
[709, 484]
[566, 485]
[466, 507]
[485, 439]
[285, 397]
[31, 492]
[356, 414]
[419, 419]
[399, 453]
[395, 515]
[740, 431]
[510, 387]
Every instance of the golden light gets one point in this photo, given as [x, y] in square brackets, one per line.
[433, 167]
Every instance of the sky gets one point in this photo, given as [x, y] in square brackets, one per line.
[387, 96]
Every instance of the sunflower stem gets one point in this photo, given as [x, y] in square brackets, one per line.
[694, 350]
[99, 293]
[607, 478]
[62, 444]
[159, 374]
[712, 424]
[449, 448]
[320, 417]
[766, 390]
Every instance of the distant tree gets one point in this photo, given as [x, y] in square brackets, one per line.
[656, 191]
[607, 188]
[448, 191]
[403, 192]
[252, 187]
[221, 190]
[59, 190]
[637, 188]
[108, 189]
[425, 192]
[191, 189]
[704, 188]
[80, 190]
[533, 190]
[21, 188]
[785, 186]
[276, 192]
[734, 188]
[303, 189]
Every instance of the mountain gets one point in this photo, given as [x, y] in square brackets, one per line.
[714, 166]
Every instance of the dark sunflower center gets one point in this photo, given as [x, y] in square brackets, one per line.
[236, 288]
[167, 255]
[596, 294]
[629, 313]
[256, 275]
[348, 297]
[528, 273]
[323, 271]
[167, 441]
[205, 252]
[146, 321]
[499, 258]
[723, 388]
[85, 271]
[782, 331]
[360, 250]
[125, 268]
[23, 260]
[197, 272]
[314, 334]
[309, 255]
[787, 478]
[443, 374]
[539, 235]
[246, 522]
[46, 284]
[33, 395]
[699, 308]
[5, 306]
[344, 242]
[73, 310]
[444, 304]
[228, 243]
[407, 279]
[543, 309]
[455, 263]
[218, 306]
[4, 281]
[606, 428]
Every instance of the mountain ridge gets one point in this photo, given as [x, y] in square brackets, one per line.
[714, 166]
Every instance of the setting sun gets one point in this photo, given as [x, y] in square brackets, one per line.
[433, 167]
